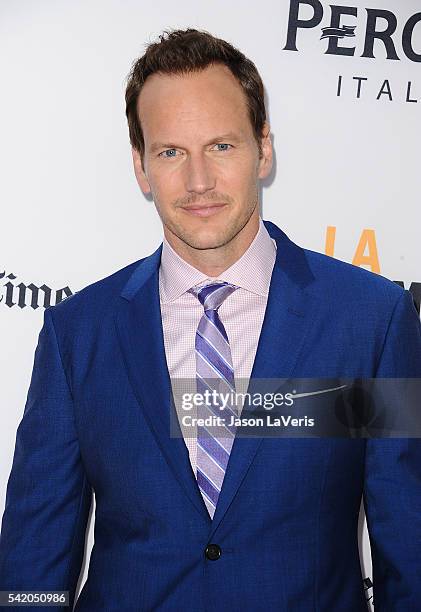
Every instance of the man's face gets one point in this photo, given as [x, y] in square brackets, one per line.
[201, 160]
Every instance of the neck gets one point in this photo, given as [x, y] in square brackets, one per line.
[214, 262]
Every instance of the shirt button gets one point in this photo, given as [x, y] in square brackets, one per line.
[213, 552]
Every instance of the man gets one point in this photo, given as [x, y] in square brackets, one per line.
[266, 524]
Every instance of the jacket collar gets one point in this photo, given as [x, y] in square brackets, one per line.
[289, 313]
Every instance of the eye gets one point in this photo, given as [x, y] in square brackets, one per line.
[224, 145]
[171, 153]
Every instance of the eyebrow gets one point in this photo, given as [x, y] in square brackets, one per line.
[232, 136]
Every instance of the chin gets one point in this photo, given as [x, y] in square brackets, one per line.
[202, 234]
[205, 243]
[206, 239]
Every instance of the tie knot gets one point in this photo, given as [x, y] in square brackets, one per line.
[212, 295]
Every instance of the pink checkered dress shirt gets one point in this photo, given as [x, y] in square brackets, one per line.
[241, 313]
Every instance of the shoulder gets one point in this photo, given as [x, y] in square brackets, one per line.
[367, 310]
[334, 283]
[95, 299]
[348, 285]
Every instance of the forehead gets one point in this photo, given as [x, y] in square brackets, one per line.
[202, 102]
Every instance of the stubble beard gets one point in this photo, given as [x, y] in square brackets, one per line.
[208, 242]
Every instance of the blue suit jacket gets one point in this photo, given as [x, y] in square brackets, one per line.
[97, 418]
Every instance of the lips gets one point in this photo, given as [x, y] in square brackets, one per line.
[206, 210]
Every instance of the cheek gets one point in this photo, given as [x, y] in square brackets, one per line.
[239, 176]
[166, 186]
[240, 181]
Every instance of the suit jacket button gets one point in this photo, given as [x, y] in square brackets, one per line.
[213, 552]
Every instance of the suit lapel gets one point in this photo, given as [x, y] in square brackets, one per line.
[289, 312]
[139, 329]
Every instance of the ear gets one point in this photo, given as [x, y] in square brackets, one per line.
[265, 162]
[139, 172]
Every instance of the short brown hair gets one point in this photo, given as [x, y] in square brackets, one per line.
[184, 51]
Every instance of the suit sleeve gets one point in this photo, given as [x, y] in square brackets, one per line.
[392, 491]
[48, 495]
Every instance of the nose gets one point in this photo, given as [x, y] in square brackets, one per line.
[200, 176]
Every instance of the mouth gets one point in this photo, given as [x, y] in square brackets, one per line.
[204, 210]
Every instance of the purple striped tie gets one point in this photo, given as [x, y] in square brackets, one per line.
[214, 371]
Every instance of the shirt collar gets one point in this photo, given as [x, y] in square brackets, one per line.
[252, 271]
